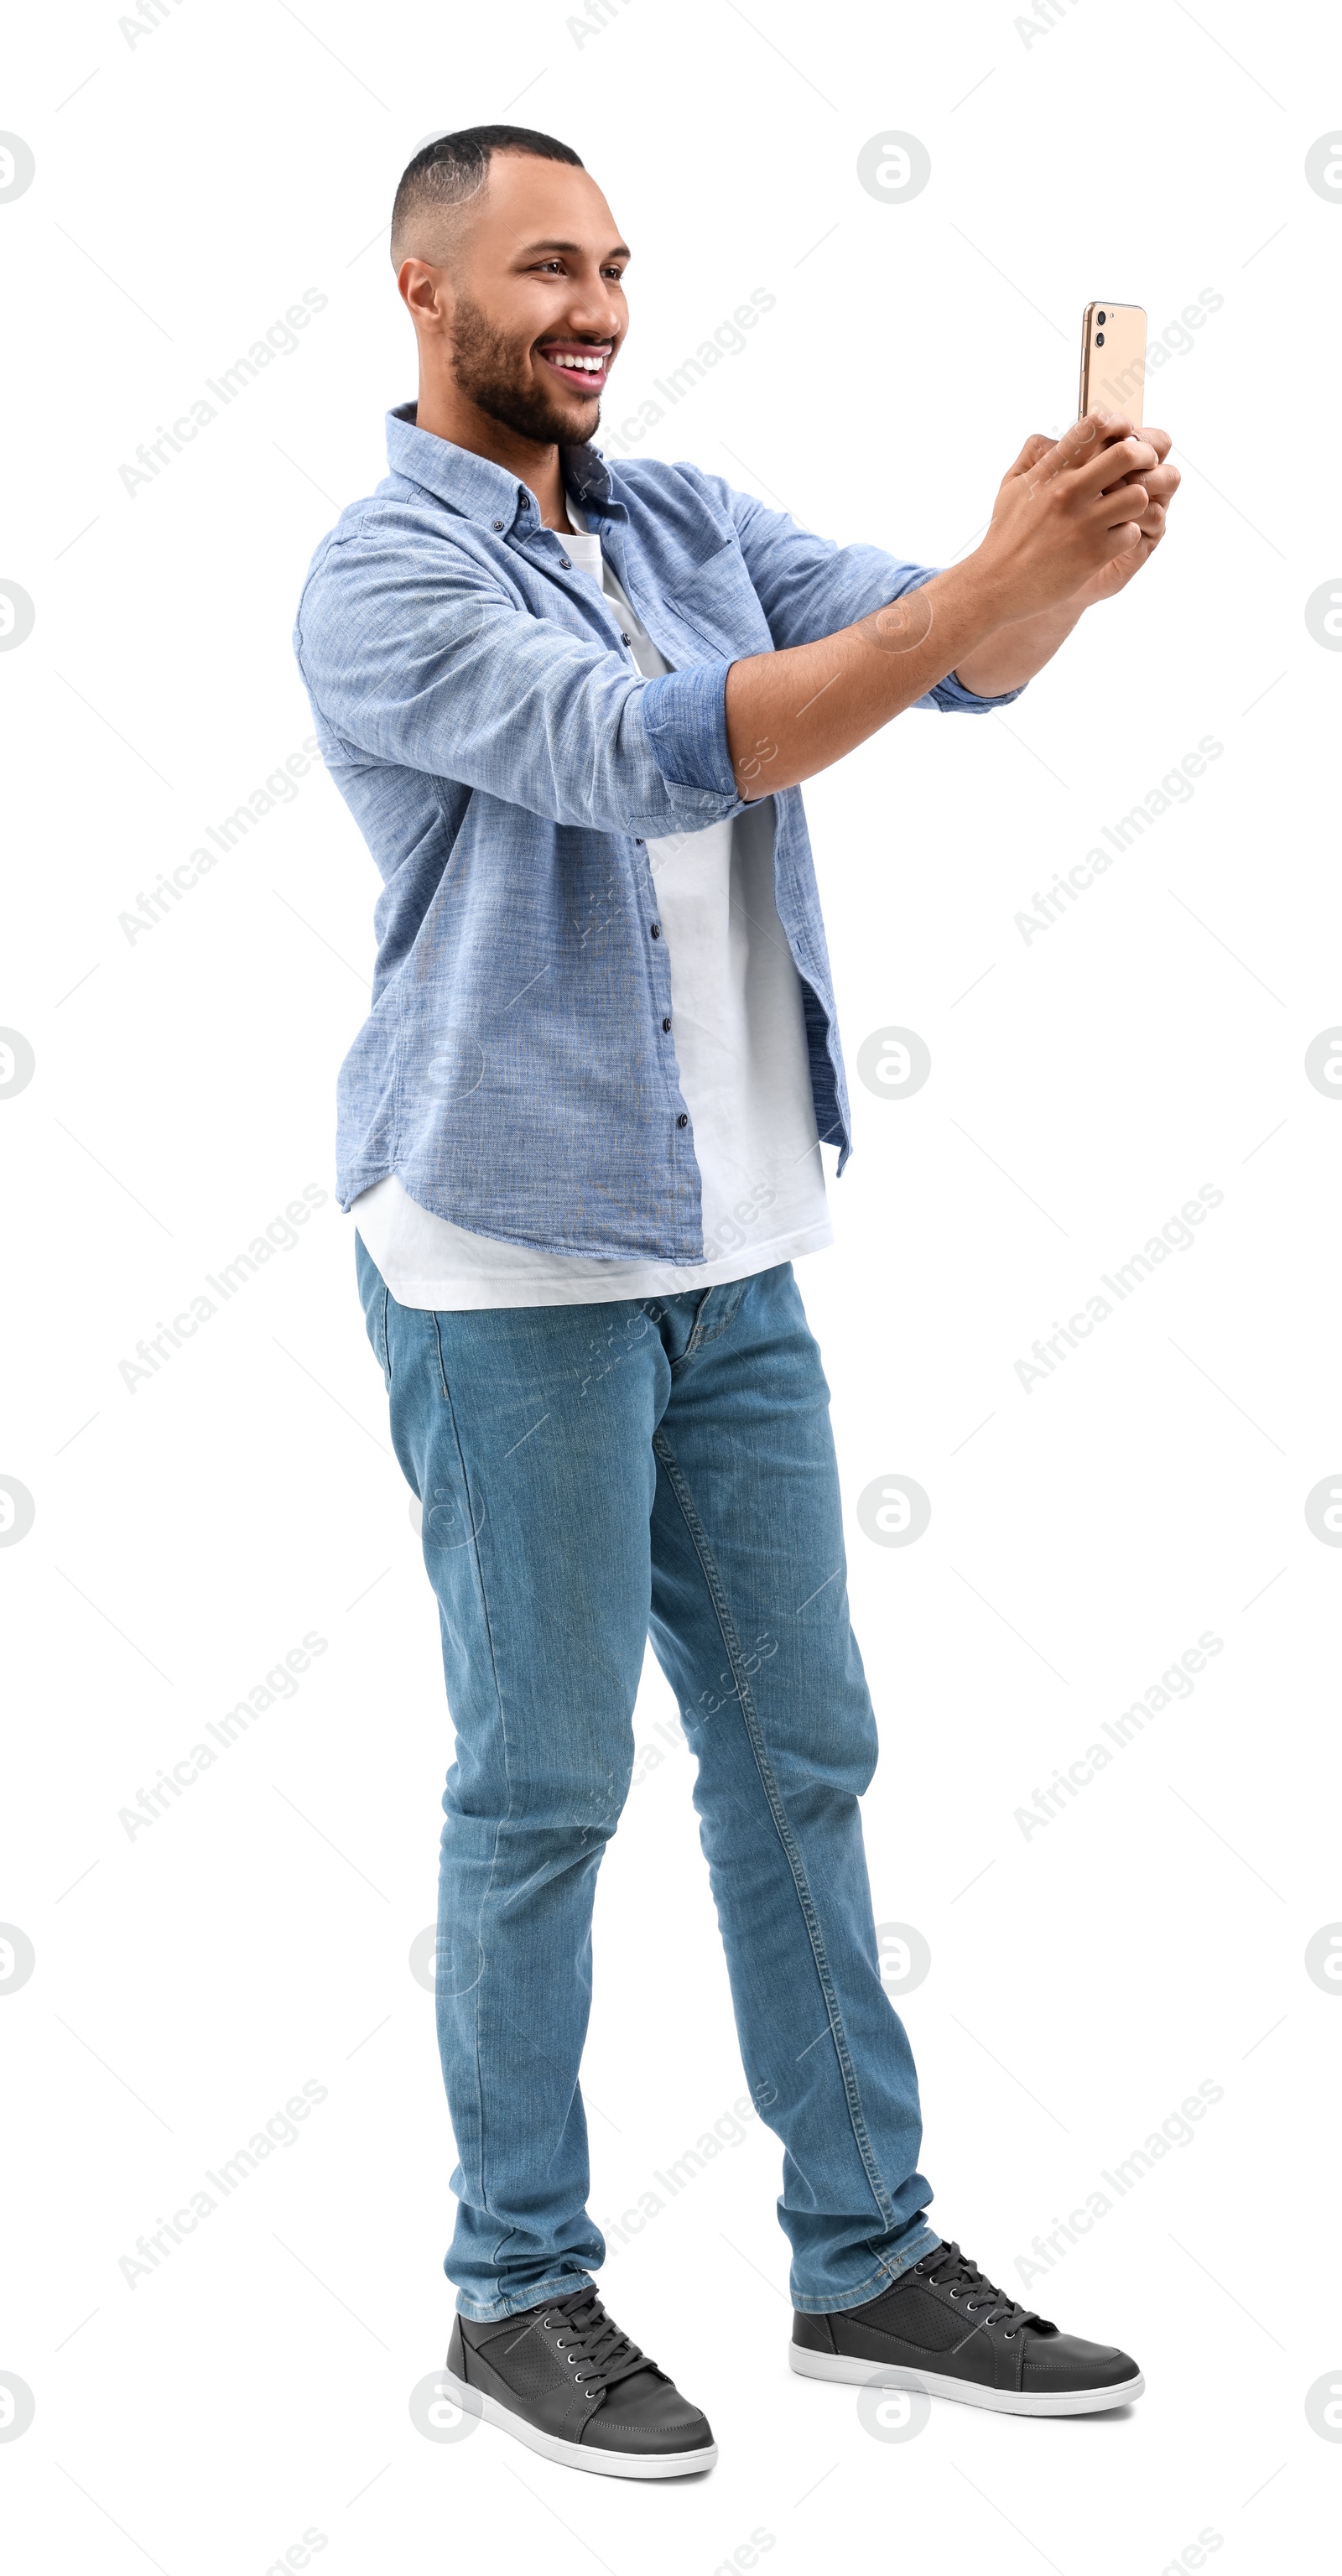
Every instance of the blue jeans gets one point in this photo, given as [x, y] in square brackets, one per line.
[591, 1475]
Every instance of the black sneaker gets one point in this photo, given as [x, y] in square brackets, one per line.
[943, 2327]
[564, 2380]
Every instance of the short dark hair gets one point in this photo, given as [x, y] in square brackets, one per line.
[452, 169]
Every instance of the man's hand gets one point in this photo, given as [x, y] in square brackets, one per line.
[1116, 483]
[1069, 514]
[1160, 486]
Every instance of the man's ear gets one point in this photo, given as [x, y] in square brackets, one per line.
[427, 294]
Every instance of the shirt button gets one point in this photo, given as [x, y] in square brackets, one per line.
[624, 639]
[656, 930]
[498, 523]
[666, 1024]
[638, 844]
[682, 1120]
[564, 564]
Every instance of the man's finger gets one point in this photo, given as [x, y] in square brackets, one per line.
[1036, 445]
[1161, 481]
[1109, 468]
[1083, 441]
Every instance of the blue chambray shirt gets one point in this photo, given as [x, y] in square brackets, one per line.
[507, 763]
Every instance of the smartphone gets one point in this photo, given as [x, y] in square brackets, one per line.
[1113, 359]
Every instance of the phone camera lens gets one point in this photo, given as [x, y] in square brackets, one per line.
[1099, 339]
[1099, 317]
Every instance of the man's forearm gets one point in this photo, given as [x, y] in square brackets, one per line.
[1072, 521]
[1013, 655]
[791, 714]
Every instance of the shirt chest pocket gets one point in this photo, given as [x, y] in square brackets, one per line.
[717, 602]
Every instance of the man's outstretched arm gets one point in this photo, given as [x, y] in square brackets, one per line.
[1073, 521]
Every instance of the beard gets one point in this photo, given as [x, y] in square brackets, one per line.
[491, 371]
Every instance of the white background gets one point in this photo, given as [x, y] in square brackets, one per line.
[189, 186]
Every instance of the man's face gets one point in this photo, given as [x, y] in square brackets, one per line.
[536, 308]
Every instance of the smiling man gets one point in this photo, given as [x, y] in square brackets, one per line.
[570, 707]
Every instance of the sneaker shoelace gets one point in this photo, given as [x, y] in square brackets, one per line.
[951, 2270]
[598, 2350]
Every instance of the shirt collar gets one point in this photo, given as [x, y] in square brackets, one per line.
[477, 487]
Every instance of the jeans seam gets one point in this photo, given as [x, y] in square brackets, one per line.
[559, 2287]
[857, 2298]
[703, 1332]
[699, 1541]
[503, 1721]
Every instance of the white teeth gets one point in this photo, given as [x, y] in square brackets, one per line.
[591, 366]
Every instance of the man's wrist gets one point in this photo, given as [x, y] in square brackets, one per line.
[975, 598]
[1015, 651]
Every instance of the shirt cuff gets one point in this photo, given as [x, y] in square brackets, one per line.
[685, 720]
[952, 697]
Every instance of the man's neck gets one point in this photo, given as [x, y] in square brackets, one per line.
[444, 413]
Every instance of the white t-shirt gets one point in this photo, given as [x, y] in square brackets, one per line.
[740, 1041]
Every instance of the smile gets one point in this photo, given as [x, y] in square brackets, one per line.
[585, 367]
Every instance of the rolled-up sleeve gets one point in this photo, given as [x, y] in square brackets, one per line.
[685, 720]
[437, 669]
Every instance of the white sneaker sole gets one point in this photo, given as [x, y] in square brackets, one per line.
[999, 2401]
[576, 2455]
